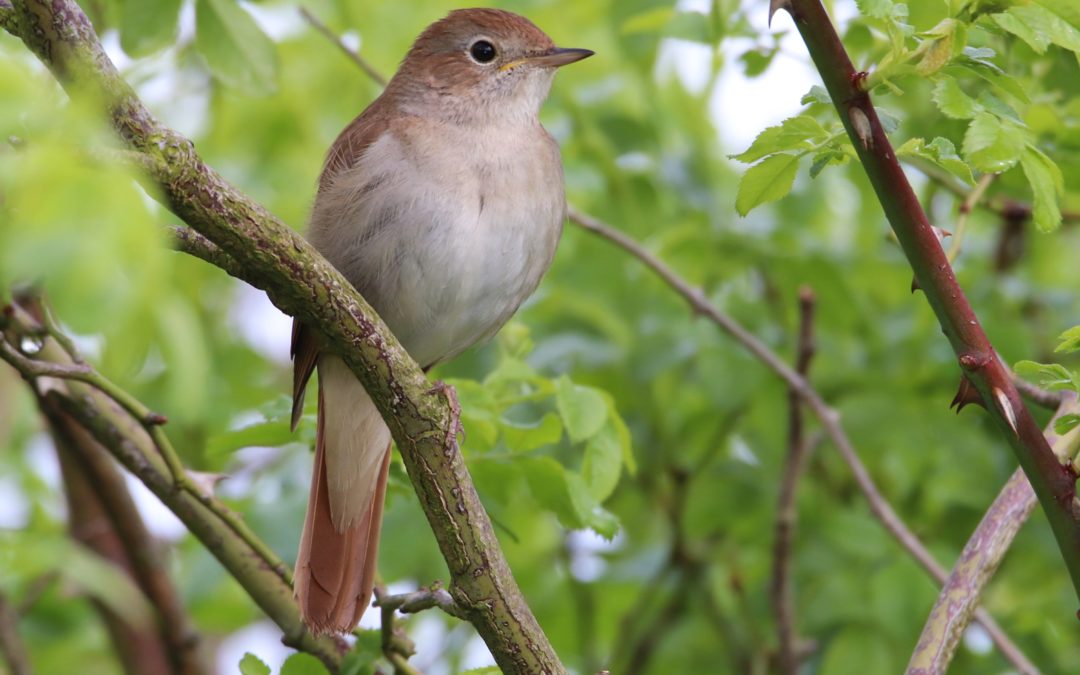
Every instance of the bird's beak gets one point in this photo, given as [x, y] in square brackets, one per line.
[556, 57]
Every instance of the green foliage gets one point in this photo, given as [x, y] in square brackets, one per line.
[954, 55]
[606, 404]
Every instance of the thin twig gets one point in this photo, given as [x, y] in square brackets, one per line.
[359, 60]
[11, 645]
[396, 646]
[781, 595]
[829, 418]
[966, 207]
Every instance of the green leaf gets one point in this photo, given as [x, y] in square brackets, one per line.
[146, 27]
[817, 94]
[1047, 186]
[766, 181]
[1053, 376]
[583, 409]
[993, 144]
[794, 133]
[269, 434]
[603, 462]
[525, 437]
[878, 9]
[1066, 423]
[1069, 341]
[651, 21]
[253, 665]
[238, 53]
[566, 494]
[1048, 25]
[692, 26]
[952, 101]
[303, 664]
[1010, 22]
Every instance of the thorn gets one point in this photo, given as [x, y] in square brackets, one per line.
[915, 284]
[156, 419]
[861, 124]
[966, 393]
[206, 481]
[777, 5]
[1005, 405]
[940, 233]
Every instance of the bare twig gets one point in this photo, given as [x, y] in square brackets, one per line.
[12, 647]
[829, 418]
[966, 207]
[359, 60]
[782, 598]
[396, 646]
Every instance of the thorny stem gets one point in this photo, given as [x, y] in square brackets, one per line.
[829, 418]
[1054, 484]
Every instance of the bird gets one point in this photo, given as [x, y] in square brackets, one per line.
[442, 203]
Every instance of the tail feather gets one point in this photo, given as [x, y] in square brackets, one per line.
[335, 568]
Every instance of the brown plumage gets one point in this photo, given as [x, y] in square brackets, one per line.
[442, 204]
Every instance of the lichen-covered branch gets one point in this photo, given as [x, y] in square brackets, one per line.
[1054, 483]
[300, 282]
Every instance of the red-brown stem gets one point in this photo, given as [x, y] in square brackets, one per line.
[1055, 484]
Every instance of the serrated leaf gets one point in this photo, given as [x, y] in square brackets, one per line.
[794, 133]
[303, 664]
[952, 101]
[993, 144]
[1047, 186]
[1066, 423]
[768, 180]
[253, 665]
[1069, 341]
[238, 53]
[146, 27]
[583, 409]
[824, 158]
[878, 9]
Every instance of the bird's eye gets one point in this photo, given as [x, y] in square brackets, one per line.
[482, 51]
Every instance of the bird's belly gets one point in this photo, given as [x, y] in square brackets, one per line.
[470, 274]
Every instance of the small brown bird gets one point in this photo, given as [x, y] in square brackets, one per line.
[442, 203]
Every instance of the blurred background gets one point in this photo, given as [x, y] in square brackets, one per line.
[643, 542]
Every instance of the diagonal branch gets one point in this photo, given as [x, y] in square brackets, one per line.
[829, 418]
[301, 283]
[1055, 484]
